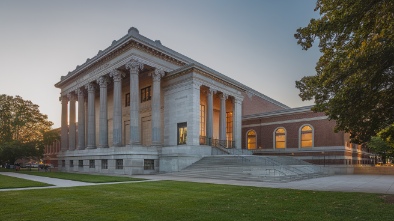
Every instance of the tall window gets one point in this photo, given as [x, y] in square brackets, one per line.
[251, 137]
[202, 120]
[127, 100]
[145, 94]
[229, 125]
[182, 133]
[280, 138]
[306, 136]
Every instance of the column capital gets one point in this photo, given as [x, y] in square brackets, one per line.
[134, 66]
[211, 91]
[80, 92]
[71, 96]
[116, 75]
[103, 81]
[223, 96]
[91, 87]
[157, 74]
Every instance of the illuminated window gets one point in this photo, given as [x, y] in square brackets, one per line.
[202, 120]
[251, 138]
[145, 94]
[229, 125]
[127, 100]
[182, 133]
[306, 136]
[280, 138]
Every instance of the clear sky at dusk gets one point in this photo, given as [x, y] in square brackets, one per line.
[249, 41]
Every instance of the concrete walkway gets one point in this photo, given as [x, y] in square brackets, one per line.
[340, 183]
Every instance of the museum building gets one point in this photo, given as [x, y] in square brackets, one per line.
[143, 108]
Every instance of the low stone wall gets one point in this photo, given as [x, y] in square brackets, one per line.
[376, 170]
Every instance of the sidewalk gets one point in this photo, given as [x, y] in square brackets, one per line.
[341, 183]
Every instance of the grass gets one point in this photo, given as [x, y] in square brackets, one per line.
[7, 182]
[90, 178]
[171, 200]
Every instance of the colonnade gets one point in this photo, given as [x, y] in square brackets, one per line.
[68, 132]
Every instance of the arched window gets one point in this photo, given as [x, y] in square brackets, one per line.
[306, 136]
[252, 139]
[280, 138]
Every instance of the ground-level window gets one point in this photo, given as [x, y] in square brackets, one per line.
[280, 138]
[119, 164]
[306, 136]
[182, 133]
[80, 163]
[71, 163]
[63, 163]
[149, 164]
[104, 164]
[91, 164]
[252, 139]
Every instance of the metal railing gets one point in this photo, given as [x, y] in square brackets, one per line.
[229, 144]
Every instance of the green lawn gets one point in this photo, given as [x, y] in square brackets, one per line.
[90, 178]
[7, 182]
[171, 200]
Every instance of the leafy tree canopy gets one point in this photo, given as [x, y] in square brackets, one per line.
[22, 128]
[354, 84]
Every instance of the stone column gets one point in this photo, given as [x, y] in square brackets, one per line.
[72, 121]
[156, 106]
[209, 123]
[64, 124]
[237, 123]
[81, 118]
[134, 66]
[117, 113]
[103, 122]
[222, 119]
[91, 116]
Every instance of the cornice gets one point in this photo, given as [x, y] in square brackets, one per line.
[289, 111]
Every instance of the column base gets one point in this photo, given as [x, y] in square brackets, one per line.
[91, 147]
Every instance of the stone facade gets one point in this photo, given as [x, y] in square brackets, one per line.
[138, 107]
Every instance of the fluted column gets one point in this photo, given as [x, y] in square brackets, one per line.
[81, 118]
[156, 115]
[210, 93]
[72, 121]
[91, 116]
[222, 119]
[237, 123]
[64, 124]
[117, 113]
[103, 122]
[134, 66]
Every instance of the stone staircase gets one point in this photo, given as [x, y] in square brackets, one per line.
[252, 168]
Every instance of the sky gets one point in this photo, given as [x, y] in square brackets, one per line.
[250, 41]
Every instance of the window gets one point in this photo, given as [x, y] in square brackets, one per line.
[306, 136]
[182, 133]
[251, 138]
[149, 164]
[145, 94]
[202, 120]
[119, 164]
[63, 163]
[127, 100]
[91, 164]
[229, 125]
[71, 163]
[104, 164]
[280, 138]
[80, 163]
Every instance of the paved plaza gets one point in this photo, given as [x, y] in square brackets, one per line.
[341, 183]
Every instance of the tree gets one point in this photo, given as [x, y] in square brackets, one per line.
[354, 84]
[381, 147]
[22, 129]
